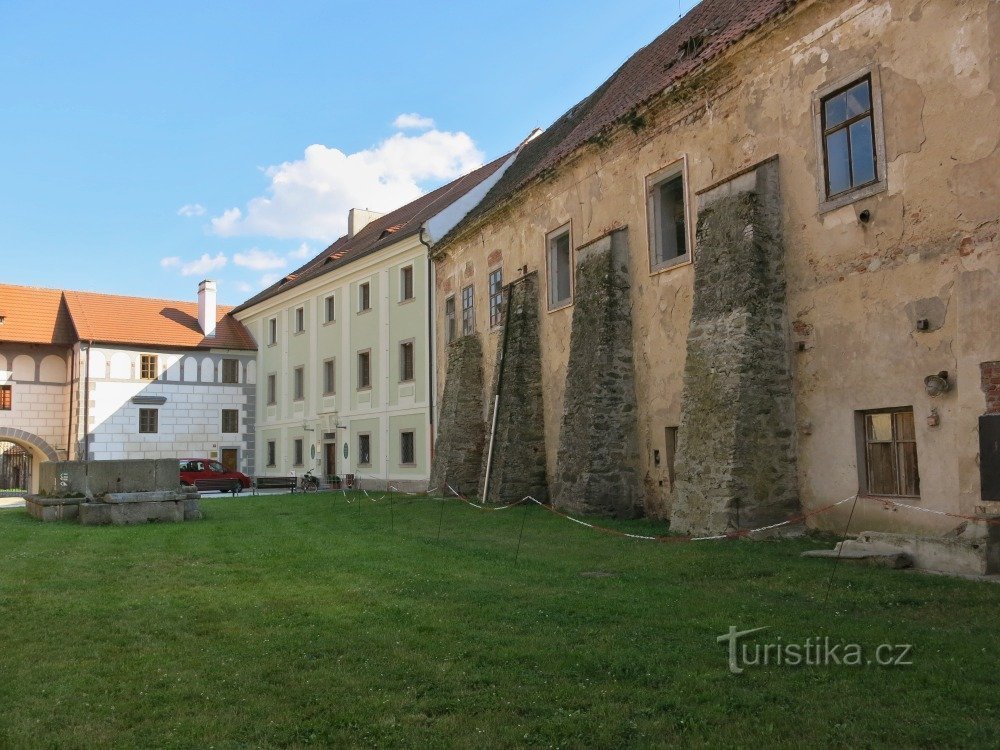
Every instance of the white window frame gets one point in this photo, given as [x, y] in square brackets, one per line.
[653, 182]
[550, 238]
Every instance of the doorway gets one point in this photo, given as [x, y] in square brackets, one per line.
[231, 459]
[329, 458]
[15, 470]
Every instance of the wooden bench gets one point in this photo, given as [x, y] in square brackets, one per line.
[275, 483]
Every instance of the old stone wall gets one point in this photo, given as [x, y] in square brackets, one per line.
[736, 454]
[517, 466]
[461, 432]
[597, 463]
[102, 477]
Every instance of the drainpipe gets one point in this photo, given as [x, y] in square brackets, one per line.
[69, 420]
[86, 427]
[431, 346]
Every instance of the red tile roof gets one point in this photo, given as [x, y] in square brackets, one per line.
[34, 316]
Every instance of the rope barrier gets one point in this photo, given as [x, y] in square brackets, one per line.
[887, 501]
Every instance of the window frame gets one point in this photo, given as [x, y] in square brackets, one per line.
[654, 180]
[330, 376]
[6, 401]
[365, 298]
[271, 392]
[272, 331]
[298, 452]
[830, 203]
[149, 363]
[450, 320]
[411, 343]
[361, 461]
[300, 319]
[403, 298]
[144, 429]
[271, 448]
[367, 353]
[299, 383]
[550, 238]
[330, 309]
[861, 437]
[231, 413]
[230, 363]
[413, 448]
[495, 311]
[471, 318]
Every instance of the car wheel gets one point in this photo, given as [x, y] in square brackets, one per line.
[237, 488]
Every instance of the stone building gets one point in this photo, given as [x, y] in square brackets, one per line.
[98, 376]
[755, 271]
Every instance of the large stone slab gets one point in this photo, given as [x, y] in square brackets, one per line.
[102, 477]
[53, 508]
[127, 514]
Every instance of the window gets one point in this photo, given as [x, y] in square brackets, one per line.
[300, 319]
[364, 370]
[449, 319]
[406, 361]
[6, 397]
[230, 371]
[272, 389]
[330, 306]
[848, 116]
[299, 383]
[148, 365]
[329, 377]
[890, 453]
[230, 420]
[559, 269]
[364, 297]
[271, 453]
[496, 297]
[667, 210]
[407, 448]
[406, 283]
[297, 451]
[148, 420]
[468, 313]
[364, 449]
[272, 331]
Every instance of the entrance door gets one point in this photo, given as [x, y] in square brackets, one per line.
[330, 459]
[231, 459]
[15, 470]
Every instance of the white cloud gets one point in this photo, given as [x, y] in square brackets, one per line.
[412, 121]
[242, 286]
[170, 262]
[269, 278]
[311, 197]
[259, 260]
[303, 252]
[191, 209]
[204, 264]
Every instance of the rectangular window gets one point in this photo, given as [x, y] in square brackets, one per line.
[148, 366]
[468, 313]
[406, 361]
[406, 283]
[364, 370]
[230, 371]
[667, 209]
[300, 319]
[364, 449]
[364, 297]
[449, 320]
[560, 269]
[6, 397]
[330, 306]
[230, 420]
[272, 389]
[329, 377]
[496, 297]
[407, 448]
[890, 453]
[299, 383]
[272, 453]
[849, 138]
[297, 451]
[272, 331]
[148, 420]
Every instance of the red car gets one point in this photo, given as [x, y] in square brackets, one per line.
[208, 475]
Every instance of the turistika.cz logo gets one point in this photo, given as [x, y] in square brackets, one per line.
[815, 651]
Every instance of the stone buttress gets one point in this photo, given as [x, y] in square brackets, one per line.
[461, 432]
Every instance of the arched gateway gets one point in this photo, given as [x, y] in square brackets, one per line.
[20, 453]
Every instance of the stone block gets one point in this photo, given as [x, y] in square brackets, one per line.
[127, 514]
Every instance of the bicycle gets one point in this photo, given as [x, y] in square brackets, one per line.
[309, 483]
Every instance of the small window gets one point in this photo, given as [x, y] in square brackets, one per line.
[406, 283]
[667, 207]
[468, 312]
[6, 397]
[300, 319]
[364, 296]
[299, 383]
[272, 389]
[364, 449]
[148, 366]
[329, 377]
[272, 331]
[496, 297]
[406, 361]
[407, 448]
[272, 453]
[330, 306]
[230, 420]
[149, 420]
[559, 264]
[297, 451]
[364, 370]
[890, 453]
[449, 319]
[230, 371]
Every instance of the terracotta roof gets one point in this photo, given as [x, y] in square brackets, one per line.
[702, 35]
[52, 316]
[380, 233]
[34, 316]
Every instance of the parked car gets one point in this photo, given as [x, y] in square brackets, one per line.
[208, 475]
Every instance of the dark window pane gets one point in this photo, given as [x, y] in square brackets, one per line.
[858, 100]
[837, 162]
[835, 109]
[671, 242]
[881, 469]
[862, 152]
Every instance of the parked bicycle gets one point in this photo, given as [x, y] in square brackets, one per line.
[309, 483]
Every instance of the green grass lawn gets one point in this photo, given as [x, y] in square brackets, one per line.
[302, 620]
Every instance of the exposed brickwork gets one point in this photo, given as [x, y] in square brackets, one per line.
[461, 434]
[495, 257]
[990, 377]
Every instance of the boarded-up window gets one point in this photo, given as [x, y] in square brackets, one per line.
[890, 453]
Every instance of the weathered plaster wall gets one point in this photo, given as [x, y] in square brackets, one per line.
[854, 289]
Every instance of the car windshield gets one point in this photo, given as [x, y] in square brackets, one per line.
[216, 466]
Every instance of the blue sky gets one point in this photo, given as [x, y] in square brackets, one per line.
[149, 145]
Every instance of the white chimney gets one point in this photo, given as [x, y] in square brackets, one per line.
[206, 307]
[358, 219]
